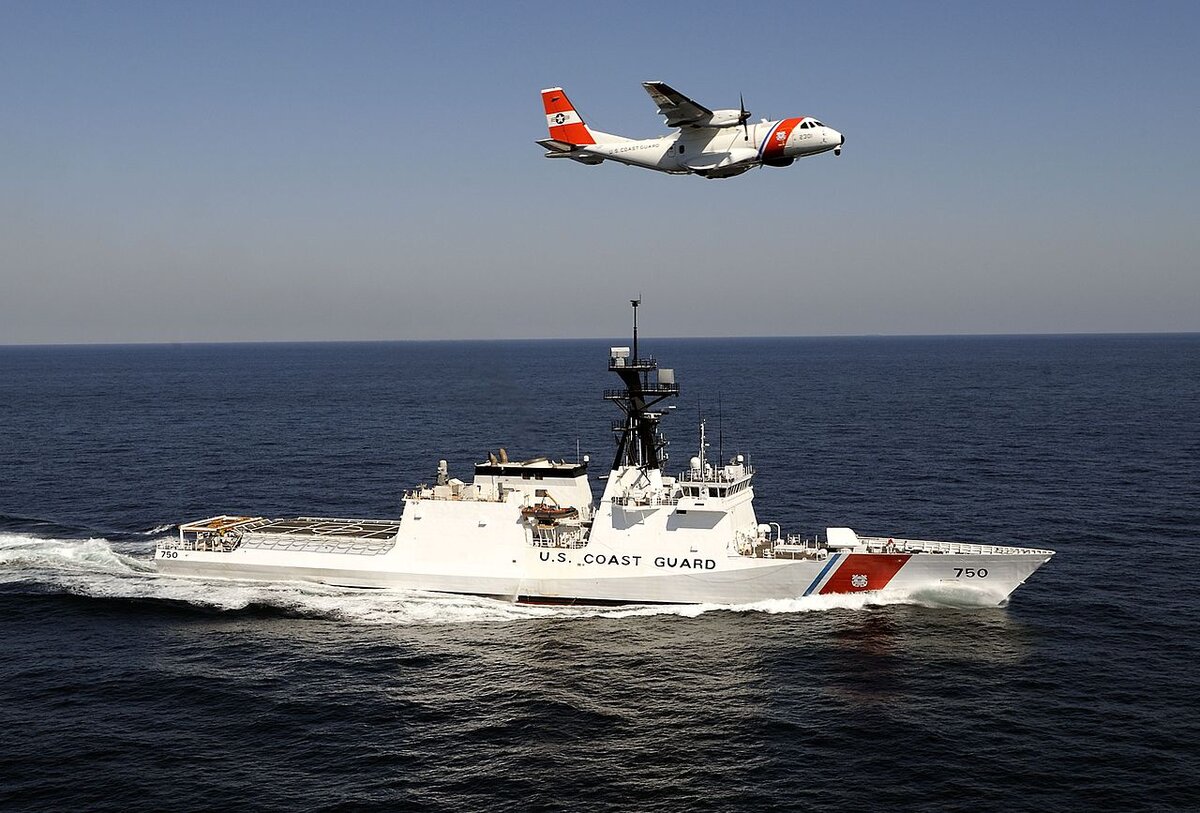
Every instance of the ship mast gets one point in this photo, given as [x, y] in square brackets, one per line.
[639, 442]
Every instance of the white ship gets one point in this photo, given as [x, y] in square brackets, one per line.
[531, 531]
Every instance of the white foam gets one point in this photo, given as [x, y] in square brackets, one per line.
[93, 568]
[955, 596]
[21, 554]
[805, 604]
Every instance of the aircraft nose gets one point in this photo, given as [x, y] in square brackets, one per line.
[841, 139]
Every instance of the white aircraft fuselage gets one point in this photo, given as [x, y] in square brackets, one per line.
[712, 144]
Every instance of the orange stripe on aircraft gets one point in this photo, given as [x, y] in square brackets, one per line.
[777, 140]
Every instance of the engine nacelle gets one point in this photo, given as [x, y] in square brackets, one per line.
[722, 118]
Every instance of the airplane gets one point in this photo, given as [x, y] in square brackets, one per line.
[709, 143]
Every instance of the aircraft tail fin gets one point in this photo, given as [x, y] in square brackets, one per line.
[565, 124]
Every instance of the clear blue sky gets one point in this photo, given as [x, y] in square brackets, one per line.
[281, 171]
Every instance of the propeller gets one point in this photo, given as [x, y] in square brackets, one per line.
[743, 117]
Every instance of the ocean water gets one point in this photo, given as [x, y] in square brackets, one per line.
[123, 690]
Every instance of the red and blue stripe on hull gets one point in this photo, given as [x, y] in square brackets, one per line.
[857, 572]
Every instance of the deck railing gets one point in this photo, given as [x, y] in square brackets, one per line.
[626, 363]
[876, 544]
[797, 547]
[714, 476]
[228, 543]
[644, 502]
[642, 389]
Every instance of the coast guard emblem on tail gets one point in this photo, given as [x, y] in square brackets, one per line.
[565, 124]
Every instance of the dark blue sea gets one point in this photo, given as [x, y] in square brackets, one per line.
[125, 691]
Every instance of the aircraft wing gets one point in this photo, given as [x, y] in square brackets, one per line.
[679, 109]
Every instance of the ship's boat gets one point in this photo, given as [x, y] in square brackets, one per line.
[549, 512]
[531, 530]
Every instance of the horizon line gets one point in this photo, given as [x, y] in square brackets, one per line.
[234, 342]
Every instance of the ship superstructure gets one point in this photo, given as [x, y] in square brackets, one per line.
[530, 531]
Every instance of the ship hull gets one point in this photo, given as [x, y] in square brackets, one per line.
[623, 578]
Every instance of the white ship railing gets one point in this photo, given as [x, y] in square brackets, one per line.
[225, 534]
[357, 547]
[798, 547]
[714, 476]
[467, 496]
[220, 544]
[876, 544]
[559, 537]
[644, 501]
[294, 544]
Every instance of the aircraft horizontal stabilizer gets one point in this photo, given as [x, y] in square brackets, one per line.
[554, 145]
[561, 149]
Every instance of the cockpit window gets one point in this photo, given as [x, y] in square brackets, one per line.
[804, 125]
[817, 123]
